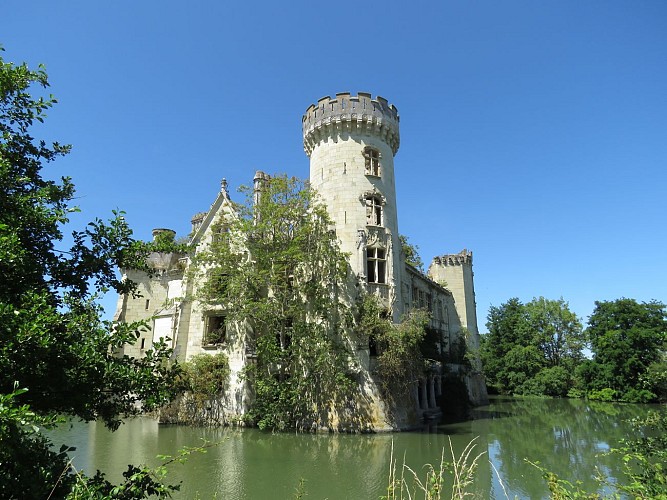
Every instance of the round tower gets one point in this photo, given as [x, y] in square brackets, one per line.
[351, 142]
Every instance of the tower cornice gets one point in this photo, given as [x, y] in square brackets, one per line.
[347, 113]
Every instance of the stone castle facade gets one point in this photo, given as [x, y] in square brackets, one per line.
[351, 142]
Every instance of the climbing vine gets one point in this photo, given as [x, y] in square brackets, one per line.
[400, 361]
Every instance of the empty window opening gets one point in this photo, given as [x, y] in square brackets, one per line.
[143, 344]
[148, 303]
[216, 330]
[372, 345]
[376, 260]
[284, 336]
[373, 210]
[372, 161]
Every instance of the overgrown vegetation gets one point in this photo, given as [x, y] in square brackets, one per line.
[400, 361]
[276, 270]
[537, 349]
[56, 354]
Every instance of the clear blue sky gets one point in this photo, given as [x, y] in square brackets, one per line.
[532, 133]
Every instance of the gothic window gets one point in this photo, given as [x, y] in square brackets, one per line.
[376, 261]
[373, 210]
[216, 330]
[372, 161]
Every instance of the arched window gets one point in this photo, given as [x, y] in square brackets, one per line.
[372, 161]
[373, 210]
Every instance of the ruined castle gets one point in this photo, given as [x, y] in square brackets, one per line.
[351, 141]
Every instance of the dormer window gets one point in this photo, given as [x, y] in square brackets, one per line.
[372, 161]
[373, 210]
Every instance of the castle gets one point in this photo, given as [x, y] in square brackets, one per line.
[351, 142]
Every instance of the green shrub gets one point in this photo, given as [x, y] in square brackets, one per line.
[205, 376]
[576, 393]
[554, 381]
[638, 396]
[606, 394]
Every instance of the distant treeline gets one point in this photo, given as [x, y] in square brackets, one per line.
[541, 348]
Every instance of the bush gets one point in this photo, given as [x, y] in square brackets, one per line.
[206, 376]
[638, 396]
[554, 381]
[576, 393]
[606, 394]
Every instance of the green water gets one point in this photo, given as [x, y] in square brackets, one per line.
[566, 436]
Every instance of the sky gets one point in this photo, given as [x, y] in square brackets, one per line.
[532, 133]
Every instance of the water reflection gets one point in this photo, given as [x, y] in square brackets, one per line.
[565, 436]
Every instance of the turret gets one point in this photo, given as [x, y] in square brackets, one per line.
[455, 272]
[351, 142]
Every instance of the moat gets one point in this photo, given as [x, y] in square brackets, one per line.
[565, 436]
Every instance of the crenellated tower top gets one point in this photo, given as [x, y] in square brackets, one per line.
[349, 113]
[457, 259]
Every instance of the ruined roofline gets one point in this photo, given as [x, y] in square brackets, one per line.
[361, 114]
[457, 259]
[412, 269]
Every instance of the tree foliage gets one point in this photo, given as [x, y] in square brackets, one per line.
[629, 342]
[411, 253]
[400, 361]
[532, 348]
[275, 268]
[56, 355]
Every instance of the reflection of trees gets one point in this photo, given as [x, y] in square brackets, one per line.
[565, 436]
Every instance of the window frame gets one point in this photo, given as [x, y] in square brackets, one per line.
[372, 163]
[374, 210]
[376, 266]
[220, 330]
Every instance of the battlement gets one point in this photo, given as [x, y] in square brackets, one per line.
[360, 114]
[457, 259]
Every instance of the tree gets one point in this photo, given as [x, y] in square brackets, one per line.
[276, 268]
[555, 330]
[411, 253]
[628, 340]
[532, 348]
[505, 332]
[56, 355]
